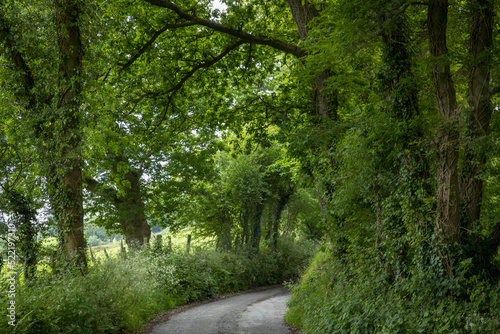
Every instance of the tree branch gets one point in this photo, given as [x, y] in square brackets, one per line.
[152, 40]
[205, 64]
[27, 78]
[92, 185]
[248, 38]
[188, 75]
[494, 91]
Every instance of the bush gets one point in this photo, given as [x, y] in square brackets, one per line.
[93, 240]
[335, 297]
[120, 295]
[99, 302]
[209, 273]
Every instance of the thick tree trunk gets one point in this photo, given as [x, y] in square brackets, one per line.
[480, 109]
[129, 207]
[398, 78]
[130, 210]
[65, 177]
[448, 196]
[68, 174]
[325, 105]
[303, 13]
[400, 90]
[478, 117]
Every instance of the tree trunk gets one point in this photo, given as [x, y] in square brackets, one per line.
[65, 176]
[68, 174]
[400, 90]
[276, 219]
[129, 206]
[225, 239]
[325, 105]
[398, 78]
[130, 210]
[448, 199]
[480, 109]
[24, 219]
[478, 117]
[303, 13]
[256, 228]
[269, 228]
[188, 244]
[245, 218]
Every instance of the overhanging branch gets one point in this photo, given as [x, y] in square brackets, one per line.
[248, 38]
[188, 75]
[181, 83]
[152, 40]
[27, 78]
[205, 64]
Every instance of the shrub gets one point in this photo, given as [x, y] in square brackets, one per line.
[335, 297]
[208, 273]
[99, 302]
[120, 295]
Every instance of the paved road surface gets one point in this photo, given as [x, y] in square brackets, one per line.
[258, 312]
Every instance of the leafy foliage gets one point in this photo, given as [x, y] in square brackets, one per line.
[118, 295]
[241, 122]
[248, 196]
[335, 298]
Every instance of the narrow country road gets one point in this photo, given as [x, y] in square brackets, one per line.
[258, 312]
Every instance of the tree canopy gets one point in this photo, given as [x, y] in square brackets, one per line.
[373, 124]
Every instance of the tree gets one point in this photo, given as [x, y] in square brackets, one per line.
[455, 192]
[136, 176]
[245, 199]
[53, 104]
[17, 205]
[127, 201]
[324, 102]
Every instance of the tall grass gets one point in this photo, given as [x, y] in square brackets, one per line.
[121, 295]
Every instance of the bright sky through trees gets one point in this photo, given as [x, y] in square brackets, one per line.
[219, 5]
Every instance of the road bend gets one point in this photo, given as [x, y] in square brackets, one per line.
[259, 312]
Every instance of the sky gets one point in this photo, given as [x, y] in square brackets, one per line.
[219, 5]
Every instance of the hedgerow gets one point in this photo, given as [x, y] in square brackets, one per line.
[119, 295]
[339, 297]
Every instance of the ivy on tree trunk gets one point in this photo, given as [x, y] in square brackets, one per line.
[66, 175]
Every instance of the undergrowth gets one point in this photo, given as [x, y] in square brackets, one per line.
[121, 295]
[336, 296]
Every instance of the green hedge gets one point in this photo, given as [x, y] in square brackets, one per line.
[337, 297]
[121, 295]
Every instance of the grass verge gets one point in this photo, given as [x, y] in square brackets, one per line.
[121, 295]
